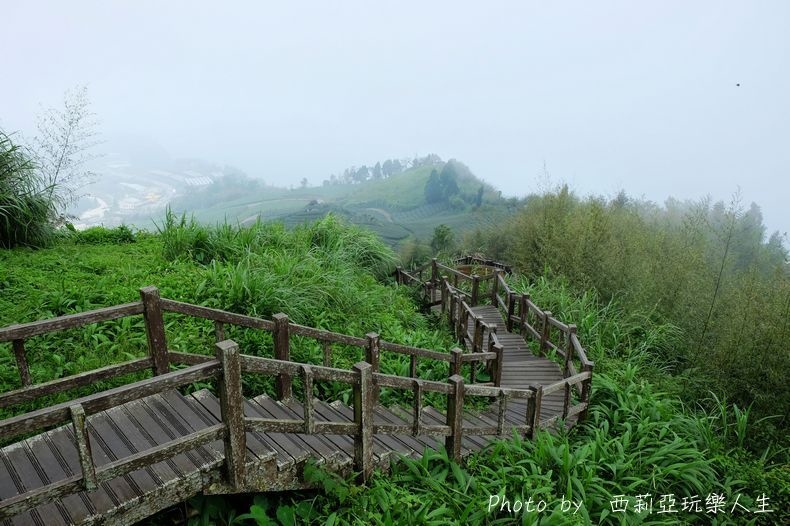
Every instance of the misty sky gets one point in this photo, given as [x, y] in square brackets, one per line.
[634, 95]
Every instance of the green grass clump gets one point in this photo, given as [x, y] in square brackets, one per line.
[27, 205]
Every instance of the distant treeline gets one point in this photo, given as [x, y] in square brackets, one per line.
[710, 269]
[381, 170]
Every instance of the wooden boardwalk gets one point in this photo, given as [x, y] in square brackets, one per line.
[148, 446]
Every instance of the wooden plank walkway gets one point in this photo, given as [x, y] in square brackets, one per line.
[273, 459]
[521, 367]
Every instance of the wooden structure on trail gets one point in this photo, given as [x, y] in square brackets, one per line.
[120, 455]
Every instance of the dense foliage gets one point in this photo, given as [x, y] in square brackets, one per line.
[706, 268]
[642, 438]
[26, 212]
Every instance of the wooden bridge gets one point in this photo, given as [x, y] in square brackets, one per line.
[120, 455]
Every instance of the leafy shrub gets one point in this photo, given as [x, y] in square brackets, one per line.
[99, 235]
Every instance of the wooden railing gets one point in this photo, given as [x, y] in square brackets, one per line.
[521, 315]
[226, 367]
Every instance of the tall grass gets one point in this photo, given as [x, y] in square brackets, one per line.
[26, 210]
[705, 273]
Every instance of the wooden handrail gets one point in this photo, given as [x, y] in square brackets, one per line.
[69, 321]
[59, 413]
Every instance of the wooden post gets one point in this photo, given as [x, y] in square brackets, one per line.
[475, 289]
[155, 330]
[398, 275]
[530, 416]
[21, 362]
[477, 335]
[500, 356]
[522, 313]
[459, 334]
[444, 296]
[327, 350]
[231, 403]
[372, 356]
[511, 307]
[434, 271]
[417, 408]
[282, 351]
[500, 427]
[544, 333]
[455, 363]
[538, 402]
[452, 309]
[363, 419]
[219, 331]
[455, 417]
[586, 390]
[307, 382]
[413, 366]
[495, 288]
[83, 447]
[566, 404]
[568, 348]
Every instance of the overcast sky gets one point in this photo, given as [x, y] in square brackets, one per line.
[641, 96]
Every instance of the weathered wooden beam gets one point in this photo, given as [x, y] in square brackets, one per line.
[372, 356]
[530, 413]
[511, 308]
[544, 334]
[475, 289]
[70, 321]
[32, 392]
[325, 336]
[455, 363]
[500, 429]
[413, 366]
[477, 334]
[231, 402]
[219, 331]
[494, 288]
[199, 311]
[326, 347]
[567, 400]
[455, 417]
[400, 382]
[188, 358]
[309, 415]
[59, 413]
[586, 390]
[522, 313]
[499, 363]
[569, 350]
[538, 403]
[21, 361]
[363, 418]
[83, 447]
[282, 351]
[417, 408]
[159, 453]
[155, 329]
[412, 351]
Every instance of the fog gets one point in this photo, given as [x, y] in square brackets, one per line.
[659, 98]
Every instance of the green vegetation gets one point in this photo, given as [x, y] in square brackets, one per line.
[393, 204]
[639, 440]
[706, 269]
[26, 212]
[646, 433]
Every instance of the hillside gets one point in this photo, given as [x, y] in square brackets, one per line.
[395, 207]
[639, 440]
